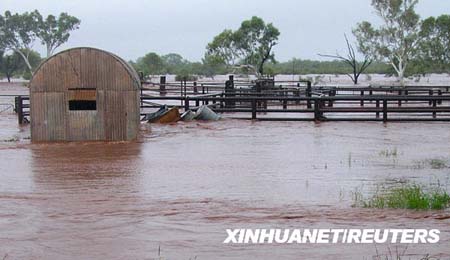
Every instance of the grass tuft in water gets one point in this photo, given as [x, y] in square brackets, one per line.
[389, 153]
[409, 196]
[438, 163]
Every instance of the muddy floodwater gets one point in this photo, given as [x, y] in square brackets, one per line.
[173, 193]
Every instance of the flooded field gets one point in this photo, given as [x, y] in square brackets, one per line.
[181, 186]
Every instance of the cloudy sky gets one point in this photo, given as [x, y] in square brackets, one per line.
[134, 27]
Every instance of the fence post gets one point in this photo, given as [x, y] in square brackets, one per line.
[434, 107]
[16, 104]
[229, 90]
[162, 85]
[20, 109]
[440, 94]
[385, 115]
[308, 94]
[430, 92]
[185, 86]
[362, 101]
[253, 109]
[316, 110]
[332, 94]
[195, 87]
[186, 103]
[181, 93]
[378, 106]
[400, 101]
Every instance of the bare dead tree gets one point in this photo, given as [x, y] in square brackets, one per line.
[357, 67]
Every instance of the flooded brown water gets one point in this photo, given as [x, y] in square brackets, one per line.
[180, 186]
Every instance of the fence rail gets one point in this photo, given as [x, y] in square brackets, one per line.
[297, 101]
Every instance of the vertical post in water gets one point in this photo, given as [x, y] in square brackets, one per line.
[385, 115]
[378, 106]
[185, 86]
[316, 110]
[308, 94]
[253, 109]
[20, 109]
[332, 94]
[362, 96]
[195, 88]
[434, 108]
[186, 103]
[16, 104]
[162, 85]
[430, 92]
[181, 92]
[440, 94]
[229, 90]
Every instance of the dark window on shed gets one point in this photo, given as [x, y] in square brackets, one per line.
[82, 99]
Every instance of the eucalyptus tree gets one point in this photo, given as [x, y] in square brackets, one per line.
[396, 40]
[18, 33]
[434, 48]
[10, 64]
[55, 31]
[250, 46]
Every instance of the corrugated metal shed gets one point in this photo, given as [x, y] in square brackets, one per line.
[84, 94]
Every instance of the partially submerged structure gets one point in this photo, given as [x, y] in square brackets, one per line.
[84, 94]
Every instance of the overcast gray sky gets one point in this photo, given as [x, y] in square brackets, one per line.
[135, 27]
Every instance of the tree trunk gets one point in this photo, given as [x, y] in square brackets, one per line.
[401, 77]
[261, 70]
[49, 51]
[25, 58]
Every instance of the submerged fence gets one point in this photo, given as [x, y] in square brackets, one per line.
[337, 108]
[292, 101]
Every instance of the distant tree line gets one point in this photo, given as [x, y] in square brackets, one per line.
[19, 33]
[403, 46]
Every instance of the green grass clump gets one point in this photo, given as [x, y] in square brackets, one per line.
[438, 164]
[409, 196]
[389, 153]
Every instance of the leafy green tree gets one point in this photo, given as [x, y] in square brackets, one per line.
[434, 48]
[396, 40]
[255, 40]
[11, 64]
[213, 65]
[223, 49]
[151, 64]
[18, 33]
[55, 31]
[249, 46]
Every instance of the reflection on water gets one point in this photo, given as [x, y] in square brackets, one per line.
[180, 186]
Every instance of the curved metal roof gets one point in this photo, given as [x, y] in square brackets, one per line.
[125, 64]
